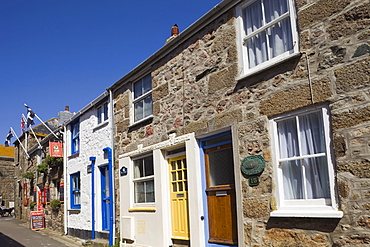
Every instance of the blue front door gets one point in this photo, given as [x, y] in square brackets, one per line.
[106, 197]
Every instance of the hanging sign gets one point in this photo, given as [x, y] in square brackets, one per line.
[61, 192]
[37, 220]
[56, 149]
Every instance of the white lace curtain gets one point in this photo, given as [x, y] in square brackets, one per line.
[303, 178]
[272, 41]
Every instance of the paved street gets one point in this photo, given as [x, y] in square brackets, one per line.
[15, 233]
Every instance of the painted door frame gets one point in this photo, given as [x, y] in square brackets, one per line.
[204, 186]
[105, 208]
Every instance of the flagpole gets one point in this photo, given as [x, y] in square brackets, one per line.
[33, 132]
[19, 141]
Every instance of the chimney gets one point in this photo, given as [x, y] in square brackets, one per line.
[174, 33]
[175, 30]
[63, 116]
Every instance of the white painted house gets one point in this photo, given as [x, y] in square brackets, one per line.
[88, 171]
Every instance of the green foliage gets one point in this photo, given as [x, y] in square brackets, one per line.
[32, 204]
[55, 204]
[29, 175]
[53, 161]
[43, 168]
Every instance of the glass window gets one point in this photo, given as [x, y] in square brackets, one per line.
[303, 161]
[102, 113]
[75, 129]
[144, 180]
[142, 98]
[75, 191]
[267, 31]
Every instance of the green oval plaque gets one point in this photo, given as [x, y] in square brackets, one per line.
[253, 165]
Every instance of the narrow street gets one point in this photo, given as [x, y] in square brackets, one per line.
[15, 233]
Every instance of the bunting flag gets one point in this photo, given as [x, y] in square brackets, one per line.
[8, 137]
[30, 116]
[23, 124]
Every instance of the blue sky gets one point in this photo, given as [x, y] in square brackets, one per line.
[58, 53]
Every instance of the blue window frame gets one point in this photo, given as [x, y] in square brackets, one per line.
[75, 191]
[75, 143]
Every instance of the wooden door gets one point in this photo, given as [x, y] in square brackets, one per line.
[220, 192]
[179, 198]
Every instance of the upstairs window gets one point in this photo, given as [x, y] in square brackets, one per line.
[142, 103]
[102, 113]
[75, 191]
[75, 137]
[268, 33]
[144, 180]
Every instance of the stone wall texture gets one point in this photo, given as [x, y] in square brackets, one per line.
[195, 89]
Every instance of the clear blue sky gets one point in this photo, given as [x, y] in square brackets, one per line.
[58, 53]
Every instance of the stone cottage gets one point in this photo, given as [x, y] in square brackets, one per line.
[7, 176]
[249, 128]
[40, 178]
[89, 191]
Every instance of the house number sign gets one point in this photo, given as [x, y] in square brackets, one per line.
[252, 166]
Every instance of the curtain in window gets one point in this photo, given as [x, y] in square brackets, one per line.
[315, 174]
[272, 41]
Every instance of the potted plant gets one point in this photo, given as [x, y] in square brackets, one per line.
[55, 204]
[43, 168]
[29, 175]
[53, 161]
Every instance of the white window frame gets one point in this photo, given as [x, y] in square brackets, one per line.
[142, 179]
[305, 207]
[141, 98]
[242, 37]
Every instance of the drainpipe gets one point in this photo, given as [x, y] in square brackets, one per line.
[111, 192]
[92, 159]
[66, 198]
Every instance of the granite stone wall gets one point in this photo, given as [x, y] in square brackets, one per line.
[196, 89]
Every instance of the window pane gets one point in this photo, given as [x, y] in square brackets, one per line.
[288, 138]
[139, 192]
[257, 49]
[105, 111]
[220, 167]
[138, 110]
[147, 83]
[312, 133]
[138, 168]
[148, 106]
[274, 9]
[253, 18]
[148, 163]
[77, 198]
[280, 38]
[317, 178]
[292, 179]
[99, 113]
[150, 191]
[138, 89]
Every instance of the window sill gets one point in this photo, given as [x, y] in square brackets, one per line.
[101, 125]
[319, 212]
[141, 122]
[74, 211]
[74, 155]
[267, 66]
[141, 210]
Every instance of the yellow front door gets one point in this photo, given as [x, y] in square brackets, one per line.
[179, 198]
